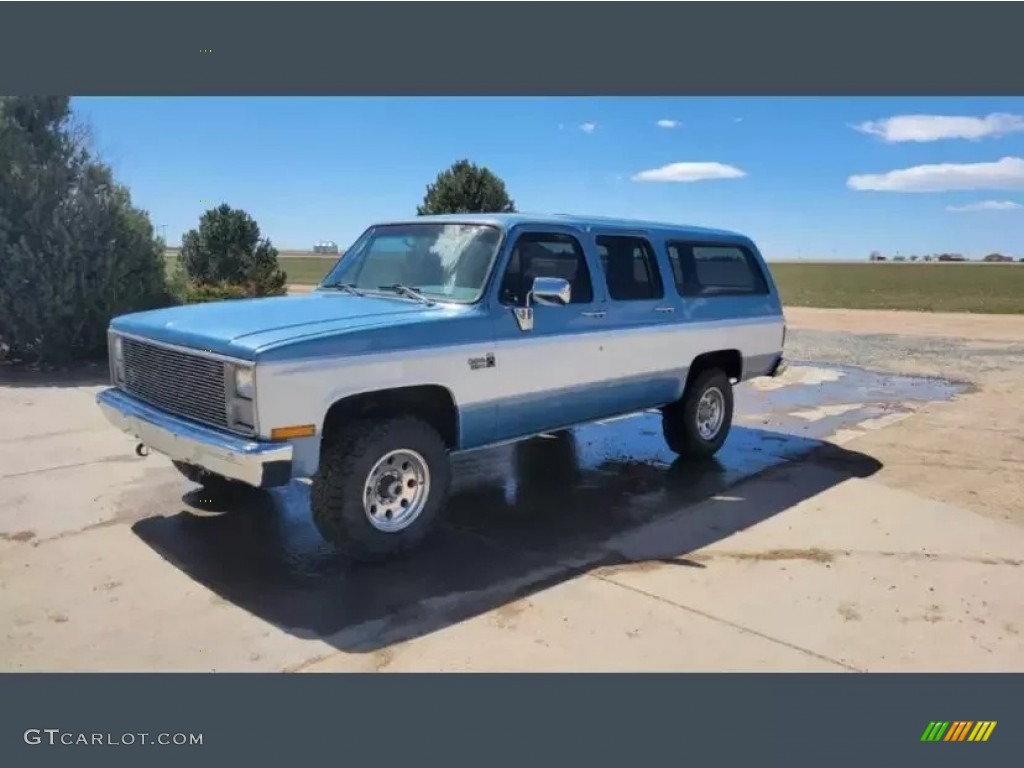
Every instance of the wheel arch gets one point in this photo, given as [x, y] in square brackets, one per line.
[433, 403]
[730, 361]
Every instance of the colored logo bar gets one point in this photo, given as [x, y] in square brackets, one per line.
[958, 730]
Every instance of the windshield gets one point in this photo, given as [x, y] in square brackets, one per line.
[445, 262]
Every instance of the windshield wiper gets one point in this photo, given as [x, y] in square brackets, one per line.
[408, 292]
[346, 287]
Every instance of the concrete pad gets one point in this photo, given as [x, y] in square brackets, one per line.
[28, 454]
[40, 505]
[585, 625]
[870, 576]
[100, 602]
[102, 567]
[31, 411]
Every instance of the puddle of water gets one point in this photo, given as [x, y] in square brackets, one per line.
[851, 397]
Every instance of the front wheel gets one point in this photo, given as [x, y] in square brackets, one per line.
[380, 487]
[696, 426]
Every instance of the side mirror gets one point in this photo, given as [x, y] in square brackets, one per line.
[551, 291]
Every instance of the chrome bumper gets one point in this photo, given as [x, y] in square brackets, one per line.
[260, 464]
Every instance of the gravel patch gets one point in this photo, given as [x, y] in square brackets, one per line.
[905, 354]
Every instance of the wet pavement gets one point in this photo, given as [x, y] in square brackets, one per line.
[521, 517]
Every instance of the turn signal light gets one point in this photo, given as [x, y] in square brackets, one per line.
[290, 433]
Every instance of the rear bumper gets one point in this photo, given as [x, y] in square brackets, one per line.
[258, 463]
[780, 367]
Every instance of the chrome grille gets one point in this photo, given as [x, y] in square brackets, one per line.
[182, 383]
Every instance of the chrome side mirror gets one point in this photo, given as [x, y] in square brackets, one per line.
[551, 291]
[548, 291]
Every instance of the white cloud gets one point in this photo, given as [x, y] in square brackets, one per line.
[1006, 173]
[588, 127]
[986, 205]
[669, 123]
[922, 128]
[686, 172]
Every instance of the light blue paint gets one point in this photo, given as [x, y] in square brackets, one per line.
[546, 411]
[477, 425]
[324, 323]
[511, 418]
[508, 221]
[245, 328]
[329, 324]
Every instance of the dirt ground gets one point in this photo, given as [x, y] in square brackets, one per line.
[864, 518]
[969, 452]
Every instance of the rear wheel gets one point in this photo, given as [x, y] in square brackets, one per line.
[380, 487]
[697, 425]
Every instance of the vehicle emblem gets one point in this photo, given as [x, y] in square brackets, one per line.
[487, 361]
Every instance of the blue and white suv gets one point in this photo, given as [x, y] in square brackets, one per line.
[442, 334]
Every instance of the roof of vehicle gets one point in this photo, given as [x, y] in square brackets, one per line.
[507, 220]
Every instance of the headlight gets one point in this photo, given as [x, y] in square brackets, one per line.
[118, 349]
[244, 383]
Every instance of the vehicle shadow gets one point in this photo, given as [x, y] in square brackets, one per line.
[521, 519]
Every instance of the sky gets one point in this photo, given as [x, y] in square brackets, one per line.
[811, 178]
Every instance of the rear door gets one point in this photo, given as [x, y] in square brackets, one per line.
[641, 365]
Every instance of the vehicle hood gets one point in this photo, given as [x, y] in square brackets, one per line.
[244, 327]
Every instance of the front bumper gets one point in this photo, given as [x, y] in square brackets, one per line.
[260, 464]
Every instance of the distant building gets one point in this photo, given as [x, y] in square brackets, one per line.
[951, 257]
[325, 246]
[997, 257]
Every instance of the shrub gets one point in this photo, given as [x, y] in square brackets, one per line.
[74, 251]
[227, 249]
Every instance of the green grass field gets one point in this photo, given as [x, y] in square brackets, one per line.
[305, 270]
[301, 270]
[981, 288]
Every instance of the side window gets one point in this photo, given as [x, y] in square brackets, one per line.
[545, 255]
[709, 270]
[630, 268]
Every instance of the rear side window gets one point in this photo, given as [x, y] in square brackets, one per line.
[546, 255]
[715, 270]
[630, 269]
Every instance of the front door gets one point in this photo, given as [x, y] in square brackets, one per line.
[549, 376]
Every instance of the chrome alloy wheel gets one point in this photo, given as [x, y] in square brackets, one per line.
[710, 413]
[396, 490]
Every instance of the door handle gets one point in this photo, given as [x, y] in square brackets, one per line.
[665, 309]
[597, 314]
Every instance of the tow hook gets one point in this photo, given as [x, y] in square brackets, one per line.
[141, 450]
